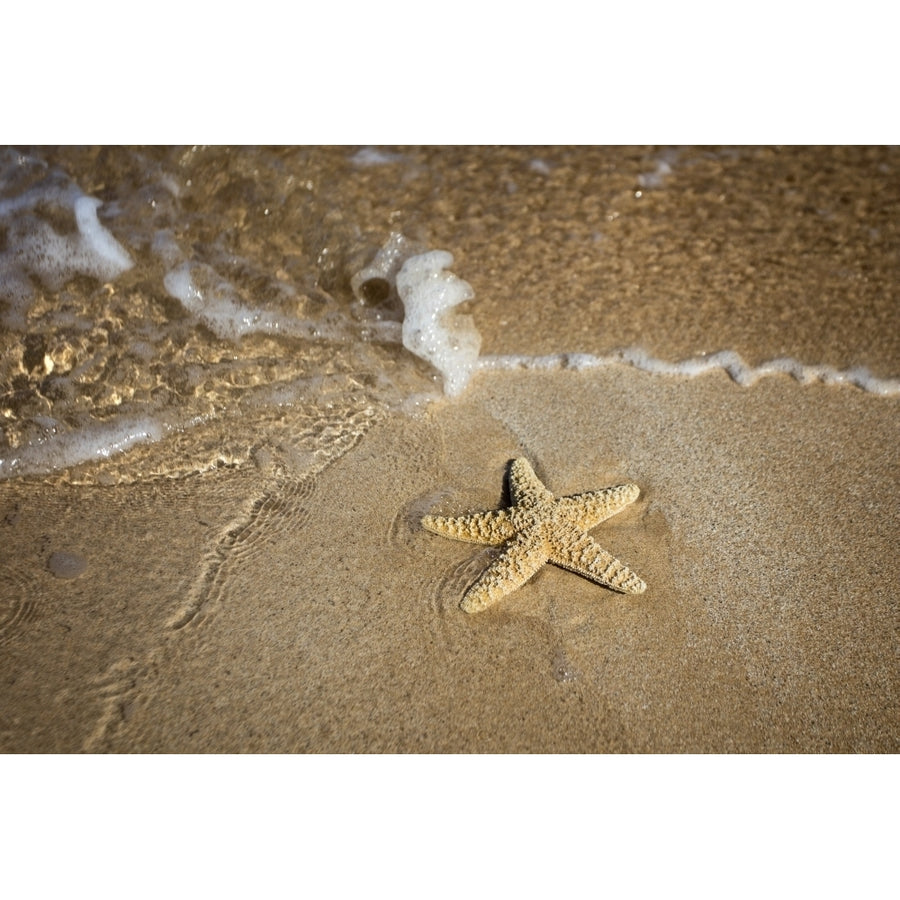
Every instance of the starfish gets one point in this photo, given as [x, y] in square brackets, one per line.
[539, 528]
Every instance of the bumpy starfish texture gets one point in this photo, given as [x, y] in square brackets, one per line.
[539, 528]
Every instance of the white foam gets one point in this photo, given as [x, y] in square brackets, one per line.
[110, 256]
[51, 192]
[372, 156]
[219, 306]
[380, 276]
[35, 248]
[58, 451]
[166, 247]
[725, 360]
[657, 178]
[449, 342]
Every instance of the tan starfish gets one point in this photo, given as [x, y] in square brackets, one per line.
[539, 528]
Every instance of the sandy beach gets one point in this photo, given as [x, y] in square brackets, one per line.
[769, 624]
[294, 603]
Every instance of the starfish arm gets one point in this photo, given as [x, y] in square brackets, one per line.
[593, 507]
[519, 561]
[491, 527]
[526, 488]
[589, 559]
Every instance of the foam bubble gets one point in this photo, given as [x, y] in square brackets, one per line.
[449, 342]
[58, 451]
[657, 178]
[110, 257]
[218, 306]
[377, 282]
[37, 249]
[372, 156]
[725, 360]
[428, 293]
[216, 309]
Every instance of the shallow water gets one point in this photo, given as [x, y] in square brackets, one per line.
[201, 298]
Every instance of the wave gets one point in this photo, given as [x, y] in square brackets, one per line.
[97, 352]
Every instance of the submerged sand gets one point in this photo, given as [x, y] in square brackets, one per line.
[766, 531]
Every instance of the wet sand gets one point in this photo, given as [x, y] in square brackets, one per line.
[263, 608]
[765, 530]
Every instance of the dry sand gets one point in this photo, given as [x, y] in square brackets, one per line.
[766, 530]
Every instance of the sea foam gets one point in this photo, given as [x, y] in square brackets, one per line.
[450, 342]
[216, 303]
[35, 249]
[99, 440]
[218, 307]
[407, 294]
[101, 250]
[725, 360]
[429, 292]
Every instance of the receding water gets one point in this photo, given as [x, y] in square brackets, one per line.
[203, 298]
